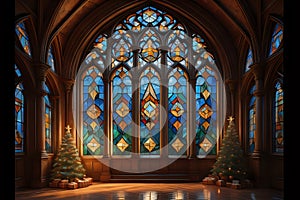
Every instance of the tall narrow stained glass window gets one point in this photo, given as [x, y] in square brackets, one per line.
[48, 139]
[19, 113]
[23, 37]
[249, 60]
[278, 129]
[122, 111]
[50, 58]
[177, 107]
[277, 37]
[251, 120]
[206, 99]
[206, 112]
[153, 47]
[93, 112]
[150, 110]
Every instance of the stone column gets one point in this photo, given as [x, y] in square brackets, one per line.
[40, 157]
[41, 72]
[191, 149]
[232, 86]
[257, 156]
[258, 71]
[55, 136]
[164, 104]
[136, 102]
[68, 83]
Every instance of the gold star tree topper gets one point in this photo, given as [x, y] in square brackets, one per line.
[68, 128]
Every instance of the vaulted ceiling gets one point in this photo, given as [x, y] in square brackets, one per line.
[225, 24]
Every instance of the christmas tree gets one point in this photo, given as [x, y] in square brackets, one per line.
[67, 164]
[231, 161]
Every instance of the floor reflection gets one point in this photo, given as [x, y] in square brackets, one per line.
[149, 191]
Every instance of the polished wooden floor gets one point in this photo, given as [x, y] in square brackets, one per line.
[150, 191]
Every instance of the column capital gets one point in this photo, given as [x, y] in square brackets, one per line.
[232, 84]
[258, 70]
[68, 83]
[41, 70]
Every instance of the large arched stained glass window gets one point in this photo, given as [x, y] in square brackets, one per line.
[48, 139]
[23, 37]
[151, 52]
[149, 112]
[19, 113]
[277, 37]
[278, 131]
[251, 120]
[93, 112]
[122, 111]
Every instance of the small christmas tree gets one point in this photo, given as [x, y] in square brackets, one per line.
[67, 164]
[231, 161]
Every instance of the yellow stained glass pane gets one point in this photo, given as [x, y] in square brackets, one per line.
[122, 145]
[205, 111]
[177, 145]
[93, 111]
[205, 145]
[149, 144]
[206, 94]
[93, 145]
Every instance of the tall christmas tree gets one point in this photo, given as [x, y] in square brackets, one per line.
[231, 161]
[67, 164]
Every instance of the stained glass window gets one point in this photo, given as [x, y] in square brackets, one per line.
[122, 111]
[138, 48]
[249, 60]
[93, 112]
[50, 59]
[177, 112]
[149, 113]
[206, 115]
[48, 143]
[19, 114]
[278, 133]
[277, 37]
[23, 37]
[251, 120]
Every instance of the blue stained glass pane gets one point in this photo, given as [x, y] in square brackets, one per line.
[23, 37]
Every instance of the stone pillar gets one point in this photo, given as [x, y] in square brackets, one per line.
[41, 72]
[191, 149]
[232, 86]
[55, 137]
[136, 103]
[257, 156]
[68, 83]
[40, 157]
[258, 93]
[164, 104]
